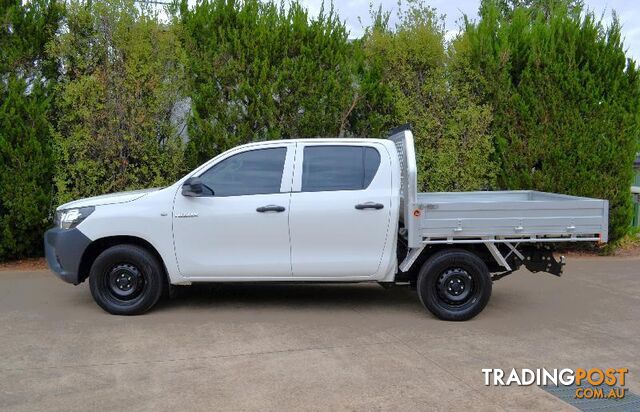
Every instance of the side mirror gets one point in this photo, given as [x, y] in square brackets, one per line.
[192, 187]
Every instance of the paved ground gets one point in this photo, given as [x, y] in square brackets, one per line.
[318, 347]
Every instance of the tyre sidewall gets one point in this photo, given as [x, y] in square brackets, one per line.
[439, 263]
[146, 263]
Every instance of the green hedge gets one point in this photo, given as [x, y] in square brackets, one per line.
[565, 102]
[539, 96]
[409, 74]
[260, 71]
[27, 80]
[123, 74]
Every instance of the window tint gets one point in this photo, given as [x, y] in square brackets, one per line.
[247, 173]
[338, 167]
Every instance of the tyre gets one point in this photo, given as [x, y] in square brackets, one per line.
[454, 285]
[126, 280]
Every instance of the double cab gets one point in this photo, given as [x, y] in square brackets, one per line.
[314, 210]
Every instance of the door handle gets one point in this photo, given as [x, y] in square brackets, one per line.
[369, 205]
[270, 208]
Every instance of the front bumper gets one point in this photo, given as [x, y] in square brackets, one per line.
[63, 249]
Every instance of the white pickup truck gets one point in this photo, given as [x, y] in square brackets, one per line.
[316, 210]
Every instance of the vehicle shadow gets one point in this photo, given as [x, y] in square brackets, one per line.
[345, 296]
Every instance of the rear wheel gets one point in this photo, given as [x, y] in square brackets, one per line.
[126, 280]
[454, 284]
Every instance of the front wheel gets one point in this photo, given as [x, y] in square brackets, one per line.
[454, 285]
[126, 280]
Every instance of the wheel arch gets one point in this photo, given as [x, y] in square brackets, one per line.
[478, 249]
[100, 245]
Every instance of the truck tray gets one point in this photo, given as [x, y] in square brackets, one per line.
[492, 216]
[520, 214]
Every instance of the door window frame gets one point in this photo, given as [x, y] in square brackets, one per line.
[299, 160]
[287, 172]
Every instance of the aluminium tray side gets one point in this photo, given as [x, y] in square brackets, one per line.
[472, 214]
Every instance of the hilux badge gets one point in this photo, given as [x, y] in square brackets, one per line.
[187, 214]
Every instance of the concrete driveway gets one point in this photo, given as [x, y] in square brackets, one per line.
[281, 347]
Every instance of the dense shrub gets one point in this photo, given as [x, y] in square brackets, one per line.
[537, 94]
[26, 83]
[123, 74]
[260, 70]
[410, 75]
[565, 101]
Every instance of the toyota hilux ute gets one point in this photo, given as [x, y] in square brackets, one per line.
[314, 210]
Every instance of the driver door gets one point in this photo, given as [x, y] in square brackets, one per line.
[239, 228]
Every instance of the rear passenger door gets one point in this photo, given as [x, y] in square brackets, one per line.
[340, 210]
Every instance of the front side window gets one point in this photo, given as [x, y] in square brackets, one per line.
[247, 173]
[327, 168]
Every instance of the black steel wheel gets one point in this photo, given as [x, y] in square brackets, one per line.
[126, 280]
[454, 284]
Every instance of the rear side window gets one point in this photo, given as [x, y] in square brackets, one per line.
[247, 173]
[327, 168]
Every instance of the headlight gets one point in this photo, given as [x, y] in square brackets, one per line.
[70, 218]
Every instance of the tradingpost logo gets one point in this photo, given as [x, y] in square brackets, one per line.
[594, 383]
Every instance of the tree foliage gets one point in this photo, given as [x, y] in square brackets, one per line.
[260, 70]
[123, 73]
[537, 94]
[27, 78]
[538, 8]
[565, 102]
[411, 75]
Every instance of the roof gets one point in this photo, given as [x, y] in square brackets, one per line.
[341, 140]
